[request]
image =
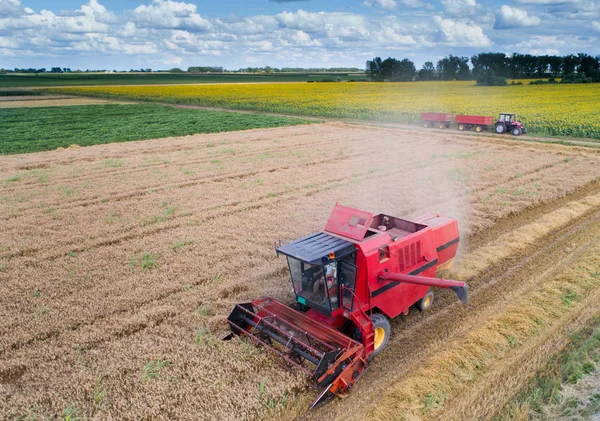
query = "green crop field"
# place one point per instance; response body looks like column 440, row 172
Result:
column 83, row 79
column 553, row 109
column 24, row 130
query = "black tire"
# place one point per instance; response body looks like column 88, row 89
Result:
column 426, row 302
column 426, row 124
column 381, row 322
column 442, row 126
column 516, row 131
column 461, row 127
column 478, row 129
column 500, row 128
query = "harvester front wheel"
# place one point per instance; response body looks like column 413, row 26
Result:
column 425, row 302
column 382, row 330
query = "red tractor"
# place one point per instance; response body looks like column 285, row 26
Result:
column 349, row 280
column 507, row 123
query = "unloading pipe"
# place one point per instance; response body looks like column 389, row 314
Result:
column 460, row 288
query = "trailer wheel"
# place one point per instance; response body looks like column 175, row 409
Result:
column 516, row 131
column 426, row 124
column 382, row 330
column 425, row 302
column 478, row 129
column 461, row 127
column 442, row 126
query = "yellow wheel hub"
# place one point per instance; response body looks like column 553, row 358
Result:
column 427, row 301
column 379, row 336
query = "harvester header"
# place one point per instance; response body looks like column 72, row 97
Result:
column 349, row 280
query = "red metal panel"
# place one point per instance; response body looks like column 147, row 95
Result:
column 446, row 118
column 349, row 222
column 475, row 119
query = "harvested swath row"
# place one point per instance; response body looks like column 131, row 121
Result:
column 104, row 320
column 510, row 330
column 288, row 188
column 72, row 198
column 22, row 325
column 167, row 211
column 554, row 240
column 150, row 160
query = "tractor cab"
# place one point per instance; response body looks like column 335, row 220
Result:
column 319, row 264
column 507, row 118
column 507, row 123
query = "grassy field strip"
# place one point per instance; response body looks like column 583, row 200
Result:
column 425, row 393
column 541, row 108
column 26, row 130
column 567, row 386
column 63, row 101
column 82, row 79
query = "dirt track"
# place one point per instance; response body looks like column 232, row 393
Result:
column 80, row 315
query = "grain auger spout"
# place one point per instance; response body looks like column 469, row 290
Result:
column 349, row 280
column 461, row 289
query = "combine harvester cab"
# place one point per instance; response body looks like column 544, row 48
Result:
column 349, row 280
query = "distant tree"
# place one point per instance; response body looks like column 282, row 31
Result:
column 453, row 68
column 56, row 70
column 569, row 64
column 427, row 72
column 398, row 70
column 374, row 71
column 205, row 69
column 587, row 64
column 390, row 70
column 541, row 65
column 497, row 63
column 555, row 63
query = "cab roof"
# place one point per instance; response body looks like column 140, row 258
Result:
column 315, row 248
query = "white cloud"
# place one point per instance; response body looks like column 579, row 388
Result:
column 395, row 4
column 461, row 34
column 547, row 2
column 460, row 7
column 384, row 4
column 168, row 14
column 169, row 32
column 10, row 8
column 512, row 17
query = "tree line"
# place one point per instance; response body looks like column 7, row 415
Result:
column 489, row 68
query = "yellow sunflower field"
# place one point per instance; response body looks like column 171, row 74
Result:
column 553, row 109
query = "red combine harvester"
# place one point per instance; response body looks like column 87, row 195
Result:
column 349, row 280
column 439, row 120
column 474, row 122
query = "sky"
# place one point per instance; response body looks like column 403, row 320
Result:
column 162, row 34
